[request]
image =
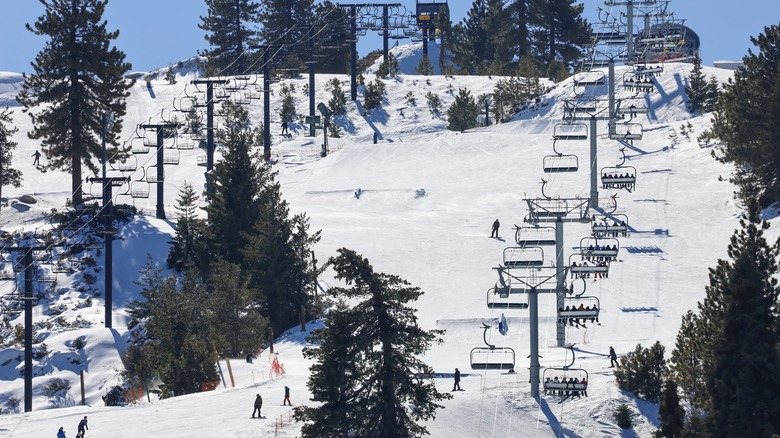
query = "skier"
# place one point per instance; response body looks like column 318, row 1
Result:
column 82, row 428
column 258, row 406
column 494, row 232
column 284, row 128
column 61, row 433
column 286, row 396
column 456, row 386
column 37, row 156
column 612, row 357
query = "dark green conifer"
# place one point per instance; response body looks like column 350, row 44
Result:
column 76, row 78
column 697, row 87
column 670, row 413
column 463, row 112
column 183, row 253
column 8, row 175
column 229, row 33
column 560, row 31
column 367, row 366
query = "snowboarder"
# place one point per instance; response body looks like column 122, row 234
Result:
column 494, row 232
column 82, row 429
column 61, row 433
column 258, row 406
column 456, row 386
column 36, row 161
column 612, row 357
column 286, row 396
column 284, row 128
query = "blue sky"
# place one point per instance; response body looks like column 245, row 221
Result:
column 156, row 33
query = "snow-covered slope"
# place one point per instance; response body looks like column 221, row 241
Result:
column 428, row 197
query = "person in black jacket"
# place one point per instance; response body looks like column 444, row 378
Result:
column 286, row 396
column 456, row 386
column 82, row 428
column 494, row 231
column 258, row 406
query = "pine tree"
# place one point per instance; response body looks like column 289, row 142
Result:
column 229, row 33
column 697, row 87
column 463, row 112
column 713, row 92
column 283, row 25
column 749, row 133
column 529, row 74
column 76, row 78
column 8, row 175
column 643, row 372
column 670, row 413
column 443, row 26
column 425, row 67
column 372, row 97
column 388, row 68
column 236, row 324
column 471, row 50
column 743, row 384
column 193, row 122
column 499, row 30
column 287, row 112
column 520, row 32
column 333, row 51
column 367, row 367
column 183, row 253
column 338, row 100
column 692, row 358
column 561, row 32
column 278, row 258
column 234, row 205
column 508, row 95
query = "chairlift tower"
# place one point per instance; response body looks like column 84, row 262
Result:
column 209, row 83
column 160, row 129
column 29, row 266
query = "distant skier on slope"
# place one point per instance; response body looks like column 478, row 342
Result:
column 456, row 386
column 258, row 406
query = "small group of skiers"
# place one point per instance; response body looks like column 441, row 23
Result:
column 573, row 387
column 259, row 402
column 82, row 429
column 579, row 273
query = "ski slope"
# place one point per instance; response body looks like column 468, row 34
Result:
column 428, row 199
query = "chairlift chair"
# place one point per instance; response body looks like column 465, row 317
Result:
column 534, row 236
column 626, row 131
column 592, row 248
column 202, row 160
column 185, row 144
column 598, row 269
column 171, row 156
column 570, row 131
column 580, row 308
column 613, row 225
column 519, row 257
column 138, row 145
column 491, row 357
column 560, row 163
column 594, row 77
column 139, row 189
column 151, row 175
column 618, row 177
column 557, row 381
column 129, row 165
column 501, row 298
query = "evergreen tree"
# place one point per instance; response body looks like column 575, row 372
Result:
column 175, row 345
column 750, row 133
column 283, row 25
column 743, row 384
column 713, row 92
column 332, row 34
column 670, row 413
column 472, row 43
column 193, row 122
column 463, row 112
column 8, row 175
column 425, row 67
column 508, row 95
column 287, row 112
column 697, row 87
column 76, row 78
column 388, row 68
column 236, row 324
column 443, row 25
column 692, row 358
column 375, row 92
column 151, row 280
column 278, row 258
column 499, row 30
column 338, row 100
column 560, row 31
column 229, row 34
column 183, row 252
column 367, row 366
column 234, row 204
column 643, row 372
column 520, row 31
column 530, row 78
